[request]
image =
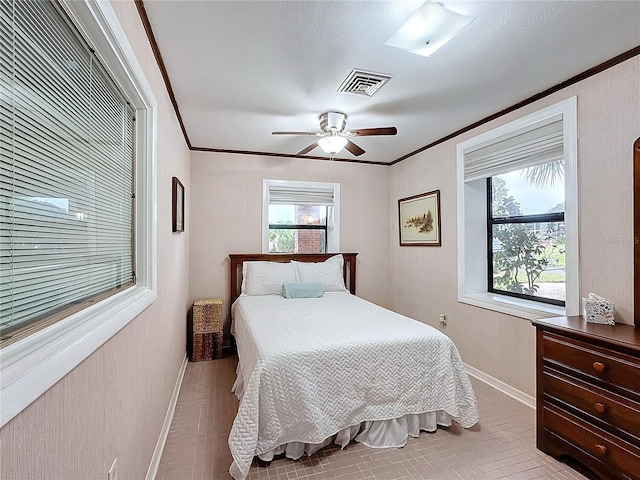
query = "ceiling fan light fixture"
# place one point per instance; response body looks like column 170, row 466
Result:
column 332, row 144
column 428, row 29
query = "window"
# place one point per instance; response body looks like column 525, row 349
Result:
column 66, row 179
column 517, row 190
column 77, row 190
column 300, row 217
column 297, row 228
column 526, row 234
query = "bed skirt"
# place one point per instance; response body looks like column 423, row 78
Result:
column 391, row 433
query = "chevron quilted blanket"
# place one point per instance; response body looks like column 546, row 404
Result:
column 311, row 367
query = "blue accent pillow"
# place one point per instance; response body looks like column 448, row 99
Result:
column 302, row 290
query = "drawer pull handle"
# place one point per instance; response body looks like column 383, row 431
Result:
column 599, row 366
column 601, row 450
column 600, row 407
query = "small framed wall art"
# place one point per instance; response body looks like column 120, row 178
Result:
column 177, row 200
column 419, row 220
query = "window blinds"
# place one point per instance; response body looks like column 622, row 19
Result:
column 538, row 144
column 66, row 176
column 284, row 195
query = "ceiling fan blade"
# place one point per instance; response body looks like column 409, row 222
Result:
column 307, row 149
column 353, row 148
column 294, row 133
column 362, row 132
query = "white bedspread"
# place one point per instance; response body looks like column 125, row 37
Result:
column 312, row 367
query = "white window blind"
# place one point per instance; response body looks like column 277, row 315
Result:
column 537, row 144
column 284, row 195
column 66, row 176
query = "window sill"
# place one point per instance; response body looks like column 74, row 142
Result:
column 512, row 306
column 30, row 367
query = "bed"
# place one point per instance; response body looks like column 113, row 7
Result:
column 327, row 366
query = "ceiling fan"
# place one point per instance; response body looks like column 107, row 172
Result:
column 334, row 137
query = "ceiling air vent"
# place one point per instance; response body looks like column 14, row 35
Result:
column 360, row 82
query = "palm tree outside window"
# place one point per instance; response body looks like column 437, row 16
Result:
column 526, row 233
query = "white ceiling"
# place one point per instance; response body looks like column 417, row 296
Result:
column 242, row 69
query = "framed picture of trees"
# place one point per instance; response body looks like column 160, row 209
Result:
column 419, row 220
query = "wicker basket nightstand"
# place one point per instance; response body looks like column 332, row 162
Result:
column 204, row 336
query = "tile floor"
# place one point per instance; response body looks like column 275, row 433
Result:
column 501, row 446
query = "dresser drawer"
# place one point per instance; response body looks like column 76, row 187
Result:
column 596, row 443
column 611, row 367
column 612, row 410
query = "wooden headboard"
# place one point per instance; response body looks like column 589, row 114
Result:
column 237, row 259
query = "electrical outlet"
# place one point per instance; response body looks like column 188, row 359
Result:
column 113, row 471
column 443, row 319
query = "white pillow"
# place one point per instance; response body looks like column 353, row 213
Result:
column 329, row 273
column 266, row 278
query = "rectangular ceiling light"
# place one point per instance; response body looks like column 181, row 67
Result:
column 428, row 29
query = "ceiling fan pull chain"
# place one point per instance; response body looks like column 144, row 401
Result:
column 331, row 171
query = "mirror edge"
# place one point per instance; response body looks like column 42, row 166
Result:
column 636, row 231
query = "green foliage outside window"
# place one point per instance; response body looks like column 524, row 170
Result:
column 282, row 240
column 523, row 257
column 524, row 252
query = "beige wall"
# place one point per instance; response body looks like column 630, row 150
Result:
column 226, row 216
column 113, row 404
column 424, row 280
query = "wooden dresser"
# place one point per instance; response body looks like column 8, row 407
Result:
column 588, row 394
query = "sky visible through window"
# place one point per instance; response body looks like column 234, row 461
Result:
column 533, row 200
column 62, row 203
column 281, row 213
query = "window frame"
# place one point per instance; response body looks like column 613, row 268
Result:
column 513, row 220
column 32, row 365
column 473, row 288
column 332, row 227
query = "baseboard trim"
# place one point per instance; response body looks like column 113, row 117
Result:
column 499, row 385
column 164, row 433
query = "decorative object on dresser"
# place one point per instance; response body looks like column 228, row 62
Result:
column 588, row 394
column 419, row 220
column 597, row 309
column 204, row 332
